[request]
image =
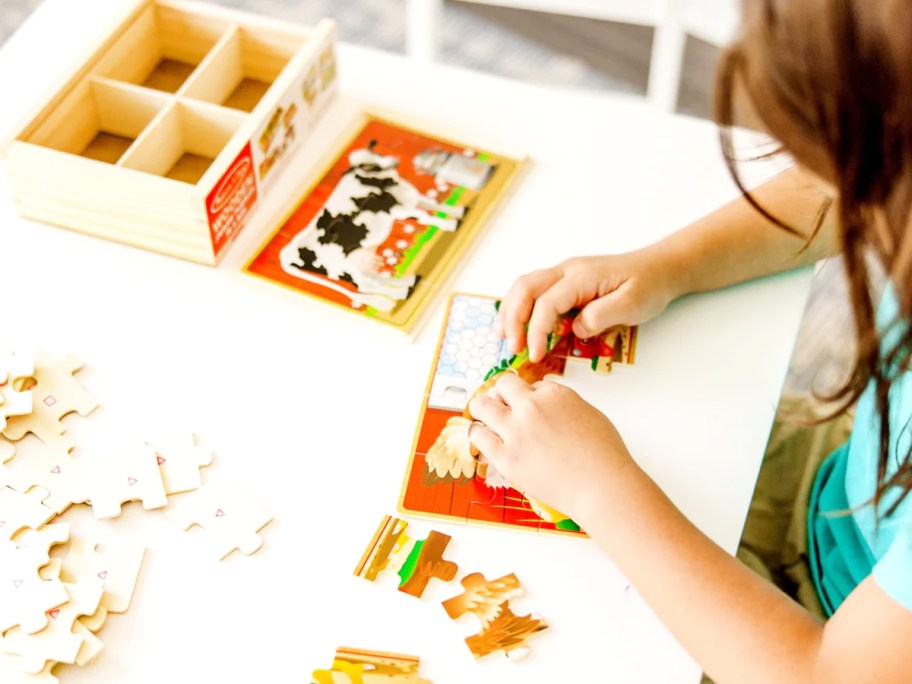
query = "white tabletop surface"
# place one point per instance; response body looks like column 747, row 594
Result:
column 313, row 410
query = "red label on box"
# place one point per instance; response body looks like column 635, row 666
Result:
column 231, row 201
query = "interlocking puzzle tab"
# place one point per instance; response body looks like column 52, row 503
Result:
column 501, row 629
column 22, row 510
column 415, row 561
column 228, row 514
column 49, row 467
column 359, row 666
column 25, row 598
column 64, row 640
column 55, row 394
column 180, row 458
column 15, row 398
column 117, row 568
column 11, row 671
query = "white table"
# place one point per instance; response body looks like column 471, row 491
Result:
column 313, row 410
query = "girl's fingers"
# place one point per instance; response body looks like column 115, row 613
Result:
column 490, row 411
column 511, row 388
column 600, row 314
column 556, row 301
column 517, row 306
column 486, row 441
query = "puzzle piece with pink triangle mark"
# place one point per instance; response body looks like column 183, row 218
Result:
column 116, row 567
column 229, row 515
column 116, row 475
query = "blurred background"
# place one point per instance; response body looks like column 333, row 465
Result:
column 662, row 50
column 576, row 45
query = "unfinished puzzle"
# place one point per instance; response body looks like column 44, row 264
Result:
column 393, row 214
column 444, row 478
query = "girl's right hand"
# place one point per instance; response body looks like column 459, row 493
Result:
column 610, row 290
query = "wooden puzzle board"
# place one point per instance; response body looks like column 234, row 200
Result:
column 467, row 350
column 395, row 212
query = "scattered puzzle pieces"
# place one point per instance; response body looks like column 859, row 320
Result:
column 50, row 608
column 56, row 393
column 227, row 513
column 117, row 569
column 117, row 476
column 358, row 666
column 501, row 629
column 63, row 640
column 415, row 561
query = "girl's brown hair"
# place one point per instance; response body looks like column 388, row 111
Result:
column 831, row 80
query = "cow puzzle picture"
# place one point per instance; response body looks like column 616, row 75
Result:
column 393, row 214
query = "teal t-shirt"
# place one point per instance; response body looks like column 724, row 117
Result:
column 845, row 549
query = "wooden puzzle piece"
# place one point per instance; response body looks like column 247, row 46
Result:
column 11, row 671
column 117, row 568
column 64, row 640
column 95, row 622
column 7, row 451
column 501, row 629
column 50, row 467
column 55, row 394
column 359, row 666
column 51, row 570
column 22, row 510
column 15, row 398
column 180, row 459
column 230, row 517
column 24, row 597
column 44, row 538
column 116, row 476
column 615, row 345
column 415, row 561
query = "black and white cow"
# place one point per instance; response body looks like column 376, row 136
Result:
column 341, row 241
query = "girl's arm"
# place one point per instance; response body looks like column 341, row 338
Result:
column 736, row 243
column 730, row 245
column 740, row 628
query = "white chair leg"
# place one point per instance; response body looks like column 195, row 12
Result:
column 422, row 28
column 667, row 57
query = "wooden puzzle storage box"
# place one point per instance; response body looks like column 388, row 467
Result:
column 172, row 130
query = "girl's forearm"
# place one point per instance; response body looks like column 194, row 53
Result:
column 739, row 627
column 736, row 243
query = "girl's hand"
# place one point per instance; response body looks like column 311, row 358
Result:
column 611, row 290
column 550, row 444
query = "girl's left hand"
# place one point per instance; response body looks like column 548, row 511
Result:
column 550, row 444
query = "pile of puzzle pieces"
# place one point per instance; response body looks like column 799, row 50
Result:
column 416, row 562
column 52, row 607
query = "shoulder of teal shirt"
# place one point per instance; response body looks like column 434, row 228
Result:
column 889, row 538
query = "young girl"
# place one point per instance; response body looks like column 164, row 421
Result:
column 831, row 80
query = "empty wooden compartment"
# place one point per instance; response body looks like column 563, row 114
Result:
column 242, row 67
column 99, row 120
column 162, row 47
